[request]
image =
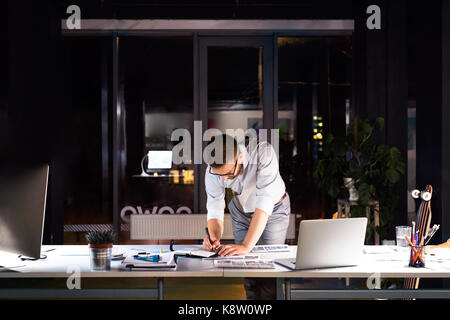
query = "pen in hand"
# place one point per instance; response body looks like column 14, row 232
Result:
column 209, row 238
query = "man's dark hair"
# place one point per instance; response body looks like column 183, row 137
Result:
column 226, row 158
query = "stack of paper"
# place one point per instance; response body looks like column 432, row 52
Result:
column 166, row 261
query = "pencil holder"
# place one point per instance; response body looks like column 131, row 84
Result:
column 416, row 257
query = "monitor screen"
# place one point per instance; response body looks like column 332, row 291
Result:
column 159, row 159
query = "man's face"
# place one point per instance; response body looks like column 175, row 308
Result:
column 229, row 170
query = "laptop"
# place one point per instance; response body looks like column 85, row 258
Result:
column 328, row 243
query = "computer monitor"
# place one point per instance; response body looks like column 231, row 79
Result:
column 23, row 194
column 159, row 160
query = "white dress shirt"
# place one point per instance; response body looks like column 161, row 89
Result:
column 258, row 185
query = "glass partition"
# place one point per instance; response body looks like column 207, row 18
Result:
column 314, row 92
column 156, row 84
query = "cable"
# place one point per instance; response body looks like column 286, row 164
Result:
column 23, row 258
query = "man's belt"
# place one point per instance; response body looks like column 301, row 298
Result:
column 282, row 198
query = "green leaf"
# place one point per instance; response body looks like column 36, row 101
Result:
column 392, row 175
column 364, row 193
column 366, row 129
column 379, row 122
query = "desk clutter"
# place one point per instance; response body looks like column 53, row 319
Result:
column 149, row 261
column 168, row 260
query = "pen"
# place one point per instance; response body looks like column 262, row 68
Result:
column 414, row 249
column 209, row 237
column 207, row 233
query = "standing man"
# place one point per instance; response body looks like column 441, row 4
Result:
column 259, row 209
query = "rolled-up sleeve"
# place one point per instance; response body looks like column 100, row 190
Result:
column 269, row 185
column 215, row 202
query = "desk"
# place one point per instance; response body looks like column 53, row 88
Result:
column 387, row 263
column 60, row 263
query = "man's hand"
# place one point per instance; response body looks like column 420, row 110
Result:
column 207, row 245
column 233, row 250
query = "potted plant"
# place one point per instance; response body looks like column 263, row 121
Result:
column 100, row 247
column 358, row 161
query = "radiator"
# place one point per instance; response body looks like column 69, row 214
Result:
column 182, row 227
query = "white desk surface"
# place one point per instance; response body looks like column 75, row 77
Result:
column 64, row 257
column 389, row 263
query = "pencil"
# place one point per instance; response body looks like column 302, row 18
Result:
column 414, row 249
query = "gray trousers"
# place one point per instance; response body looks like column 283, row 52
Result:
column 274, row 233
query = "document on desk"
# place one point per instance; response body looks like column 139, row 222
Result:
column 166, row 261
column 197, row 253
column 244, row 264
column 250, row 257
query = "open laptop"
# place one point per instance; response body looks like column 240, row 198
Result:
column 328, row 243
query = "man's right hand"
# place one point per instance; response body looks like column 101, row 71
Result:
column 207, row 245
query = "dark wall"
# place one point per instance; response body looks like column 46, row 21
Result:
column 35, row 113
column 3, row 83
column 217, row 9
column 432, row 68
column 380, row 80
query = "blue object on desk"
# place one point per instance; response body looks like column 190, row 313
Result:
column 154, row 258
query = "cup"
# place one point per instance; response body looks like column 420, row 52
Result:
column 400, row 233
column 417, row 257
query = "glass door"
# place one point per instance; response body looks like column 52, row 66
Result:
column 236, row 88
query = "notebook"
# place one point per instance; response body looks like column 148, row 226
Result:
column 166, row 261
column 201, row 253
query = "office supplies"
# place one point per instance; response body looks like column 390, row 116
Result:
column 244, row 264
column 163, row 261
column 413, row 247
column 209, row 238
column 207, row 233
column 23, row 194
column 154, row 258
column 431, row 234
column 328, row 243
column 270, row 248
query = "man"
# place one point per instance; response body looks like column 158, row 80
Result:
column 259, row 209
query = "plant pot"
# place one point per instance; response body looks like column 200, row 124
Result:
column 349, row 184
column 100, row 256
